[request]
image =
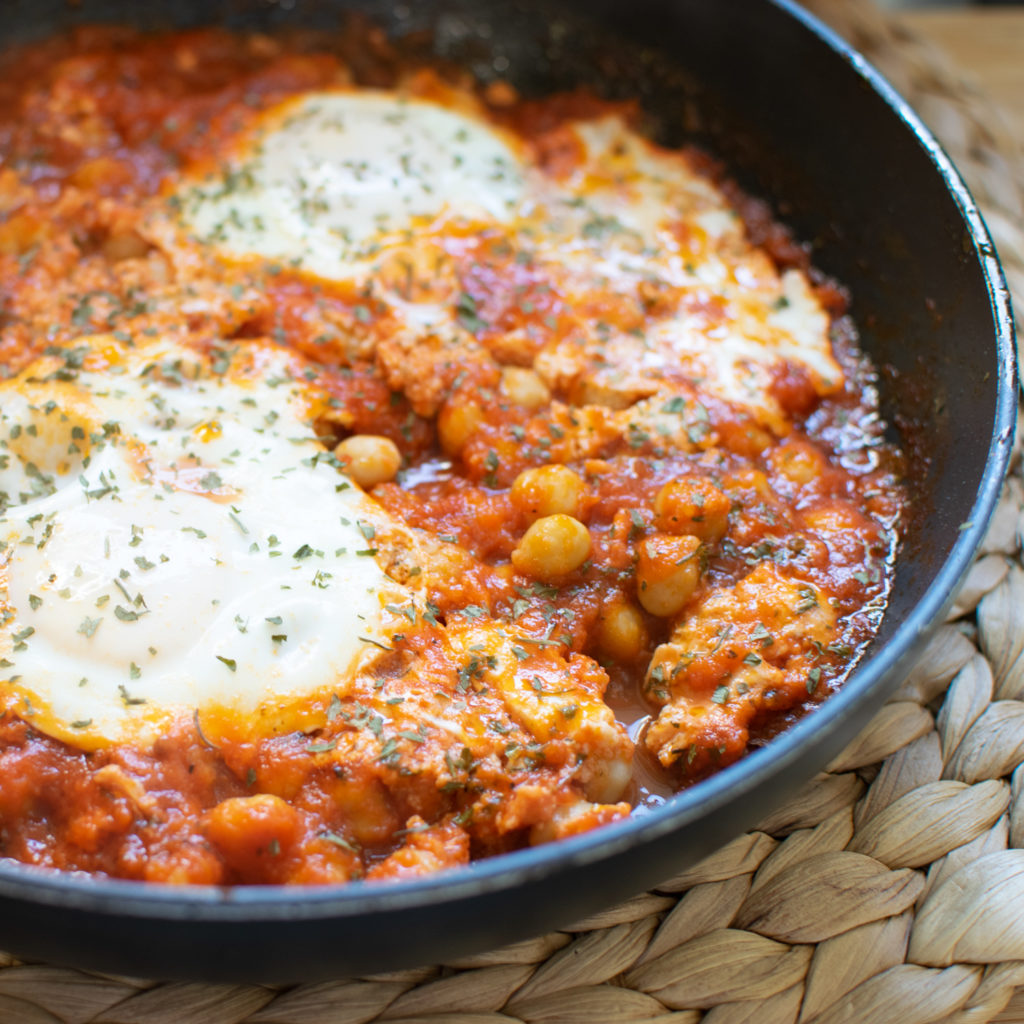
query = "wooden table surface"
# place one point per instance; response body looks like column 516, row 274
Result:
column 987, row 44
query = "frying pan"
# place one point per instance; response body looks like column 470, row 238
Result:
column 802, row 120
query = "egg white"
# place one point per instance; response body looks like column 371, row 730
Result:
column 176, row 540
column 330, row 178
column 330, row 182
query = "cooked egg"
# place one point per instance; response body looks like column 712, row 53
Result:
column 632, row 217
column 175, row 539
column 332, row 177
column 331, row 183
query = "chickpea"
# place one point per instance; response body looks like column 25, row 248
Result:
column 798, row 463
column 667, row 572
column 189, row 865
column 125, row 246
column 836, row 517
column 362, row 802
column 456, row 424
column 747, row 440
column 693, row 505
column 750, row 479
column 20, row 232
column 243, row 827
column 101, row 170
column 552, row 547
column 524, row 387
column 369, row 459
column 621, row 631
column 546, row 491
column 500, row 93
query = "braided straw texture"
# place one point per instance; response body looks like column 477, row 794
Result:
column 891, row 891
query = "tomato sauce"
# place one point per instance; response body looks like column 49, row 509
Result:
column 94, row 127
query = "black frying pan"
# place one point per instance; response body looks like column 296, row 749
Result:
column 802, row 120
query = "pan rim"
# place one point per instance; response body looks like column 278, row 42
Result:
column 249, row 904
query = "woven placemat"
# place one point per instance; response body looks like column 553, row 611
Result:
column 891, row 891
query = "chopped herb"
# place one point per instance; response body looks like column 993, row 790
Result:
column 21, row 636
column 333, row 837
column 491, row 463
column 127, row 698
column 322, row 747
column 389, row 751
column 467, row 315
column 637, row 524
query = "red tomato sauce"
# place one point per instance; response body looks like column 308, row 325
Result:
column 96, row 126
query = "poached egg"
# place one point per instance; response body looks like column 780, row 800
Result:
column 175, row 539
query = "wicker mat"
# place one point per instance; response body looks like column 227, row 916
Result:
column 890, row 890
